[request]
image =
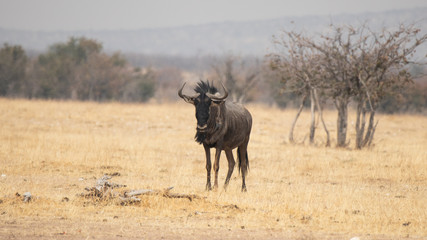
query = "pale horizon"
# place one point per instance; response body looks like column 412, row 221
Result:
column 79, row 15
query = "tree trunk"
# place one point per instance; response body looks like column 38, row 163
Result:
column 342, row 107
column 291, row 132
column 364, row 139
column 370, row 131
column 313, row 117
column 242, row 98
column 316, row 98
column 367, row 140
column 360, row 123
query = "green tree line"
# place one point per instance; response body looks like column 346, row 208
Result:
column 77, row 69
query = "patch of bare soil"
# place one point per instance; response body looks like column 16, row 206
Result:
column 148, row 228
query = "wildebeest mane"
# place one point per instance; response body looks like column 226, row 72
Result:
column 205, row 87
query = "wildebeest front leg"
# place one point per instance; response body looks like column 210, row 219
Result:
column 208, row 167
column 216, row 166
column 231, row 164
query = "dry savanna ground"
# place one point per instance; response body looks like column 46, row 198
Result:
column 55, row 149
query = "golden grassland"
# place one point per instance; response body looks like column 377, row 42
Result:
column 56, row 149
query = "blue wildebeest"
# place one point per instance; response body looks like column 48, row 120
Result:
column 222, row 125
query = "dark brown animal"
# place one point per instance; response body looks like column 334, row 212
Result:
column 222, row 125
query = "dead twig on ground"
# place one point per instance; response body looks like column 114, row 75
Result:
column 103, row 190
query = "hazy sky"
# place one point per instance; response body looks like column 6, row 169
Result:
column 137, row 14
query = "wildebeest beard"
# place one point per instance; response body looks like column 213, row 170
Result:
column 200, row 137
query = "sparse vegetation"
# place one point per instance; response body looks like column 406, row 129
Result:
column 347, row 64
column 55, row 149
column 240, row 77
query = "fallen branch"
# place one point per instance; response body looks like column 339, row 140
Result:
column 165, row 193
column 104, row 190
column 138, row 192
column 179, row 195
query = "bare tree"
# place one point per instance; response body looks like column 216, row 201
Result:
column 239, row 76
column 382, row 68
column 350, row 64
column 300, row 72
column 363, row 65
column 168, row 79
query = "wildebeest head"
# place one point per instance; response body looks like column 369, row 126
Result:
column 207, row 100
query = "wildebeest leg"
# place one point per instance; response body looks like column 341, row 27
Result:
column 243, row 162
column 231, row 163
column 208, row 167
column 216, row 166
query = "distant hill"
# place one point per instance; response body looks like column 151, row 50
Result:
column 246, row 38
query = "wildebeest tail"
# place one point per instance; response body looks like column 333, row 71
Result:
column 243, row 167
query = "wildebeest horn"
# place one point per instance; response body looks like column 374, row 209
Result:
column 218, row 98
column 185, row 97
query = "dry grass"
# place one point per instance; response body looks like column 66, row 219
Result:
column 294, row 191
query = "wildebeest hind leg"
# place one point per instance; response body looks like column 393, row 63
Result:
column 243, row 163
column 231, row 164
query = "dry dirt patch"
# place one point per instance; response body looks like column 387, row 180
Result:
column 56, row 149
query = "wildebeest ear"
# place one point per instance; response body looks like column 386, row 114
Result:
column 217, row 102
column 188, row 99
